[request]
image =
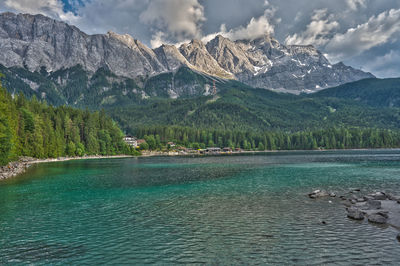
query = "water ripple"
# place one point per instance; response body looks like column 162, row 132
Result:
column 218, row 210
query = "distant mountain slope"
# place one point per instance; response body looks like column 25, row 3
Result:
column 373, row 92
column 240, row 108
column 154, row 101
column 77, row 87
column 38, row 43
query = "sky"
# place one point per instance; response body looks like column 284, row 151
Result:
column 362, row 33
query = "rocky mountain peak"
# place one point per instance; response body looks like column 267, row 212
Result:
column 169, row 56
column 229, row 55
column 197, row 55
column 125, row 38
column 36, row 41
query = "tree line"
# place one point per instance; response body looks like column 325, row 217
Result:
column 330, row 138
column 33, row 128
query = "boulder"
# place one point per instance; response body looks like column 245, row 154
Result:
column 368, row 198
column 347, row 203
column 398, row 237
column 361, row 205
column 355, row 213
column 377, row 218
column 394, row 198
column 379, row 196
column 374, row 204
column 332, row 195
column 318, row 194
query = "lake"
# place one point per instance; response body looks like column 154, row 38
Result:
column 246, row 209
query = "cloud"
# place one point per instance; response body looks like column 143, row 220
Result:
column 354, row 4
column 177, row 19
column 255, row 28
column 51, row 8
column 121, row 16
column 158, row 39
column 385, row 66
column 318, row 32
column 376, row 31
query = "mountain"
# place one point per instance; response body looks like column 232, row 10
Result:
column 373, row 92
column 239, row 108
column 138, row 103
column 78, row 87
column 38, row 43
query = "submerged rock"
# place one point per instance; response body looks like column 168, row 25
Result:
column 378, row 218
column 378, row 207
column 347, row 203
column 374, row 204
column 355, row 213
column 379, row 196
column 318, row 194
column 361, row 205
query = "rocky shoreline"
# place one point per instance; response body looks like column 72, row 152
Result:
column 377, row 207
column 16, row 168
column 13, row 169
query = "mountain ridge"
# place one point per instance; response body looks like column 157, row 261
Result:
column 35, row 42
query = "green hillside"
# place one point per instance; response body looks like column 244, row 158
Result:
column 33, row 128
column 373, row 92
column 147, row 101
column 237, row 108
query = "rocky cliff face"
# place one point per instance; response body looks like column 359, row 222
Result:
column 35, row 42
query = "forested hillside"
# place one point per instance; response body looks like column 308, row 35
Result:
column 241, row 108
column 33, row 128
column 373, row 92
column 329, row 138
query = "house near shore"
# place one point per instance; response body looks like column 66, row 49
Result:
column 130, row 140
column 227, row 149
column 140, row 141
column 213, row 150
column 171, row 144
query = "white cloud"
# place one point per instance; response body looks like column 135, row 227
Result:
column 376, row 31
column 256, row 28
column 354, row 4
column 177, row 19
column 51, row 8
column 385, row 66
column 318, row 32
column 158, row 39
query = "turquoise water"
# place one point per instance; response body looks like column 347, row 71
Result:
column 212, row 210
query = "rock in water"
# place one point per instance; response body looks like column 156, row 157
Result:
column 398, row 237
column 318, row 194
column 377, row 218
column 379, row 196
column 374, row 204
column 355, row 214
